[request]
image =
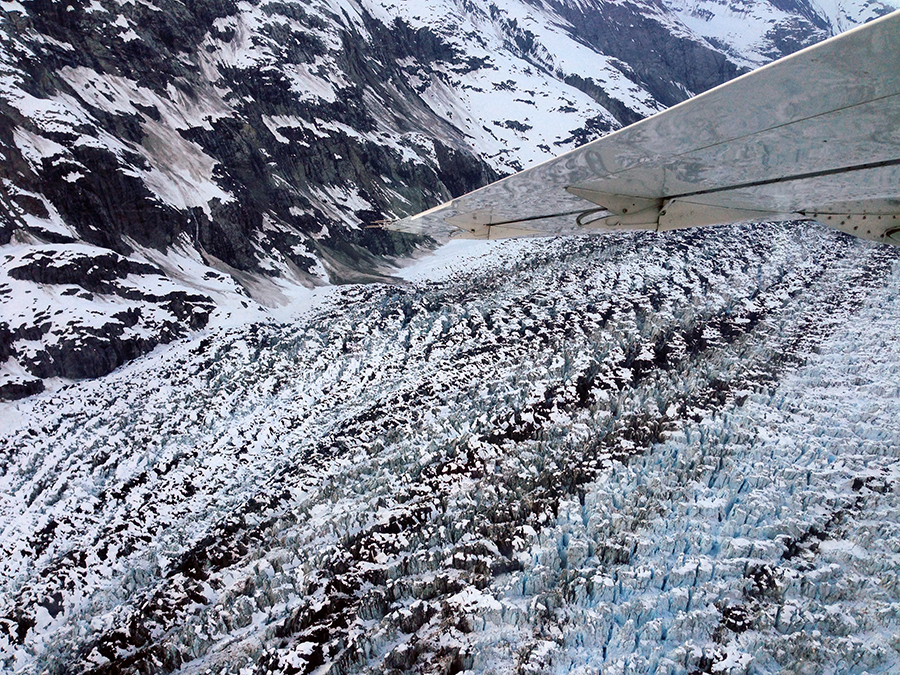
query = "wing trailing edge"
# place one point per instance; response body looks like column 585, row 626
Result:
column 814, row 136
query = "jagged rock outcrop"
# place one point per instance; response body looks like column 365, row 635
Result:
column 84, row 311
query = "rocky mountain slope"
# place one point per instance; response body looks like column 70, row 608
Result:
column 629, row 454
column 166, row 164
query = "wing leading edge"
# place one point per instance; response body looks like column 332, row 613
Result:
column 815, row 135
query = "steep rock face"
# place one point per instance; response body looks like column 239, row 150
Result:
column 259, row 139
column 83, row 311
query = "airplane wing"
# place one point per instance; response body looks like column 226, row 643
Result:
column 815, row 135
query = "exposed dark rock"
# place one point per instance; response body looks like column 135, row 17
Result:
column 10, row 391
column 91, row 272
column 657, row 59
column 89, row 355
column 88, row 346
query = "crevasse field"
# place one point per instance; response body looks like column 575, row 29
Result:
column 622, row 454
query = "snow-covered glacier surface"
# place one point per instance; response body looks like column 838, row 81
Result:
column 622, row 454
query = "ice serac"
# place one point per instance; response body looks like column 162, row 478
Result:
column 569, row 456
column 242, row 148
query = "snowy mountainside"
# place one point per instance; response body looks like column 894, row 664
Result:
column 753, row 33
column 622, row 454
column 239, row 148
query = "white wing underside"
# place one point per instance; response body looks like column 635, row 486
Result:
column 815, row 135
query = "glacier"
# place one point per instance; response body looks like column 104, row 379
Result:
column 622, row 454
